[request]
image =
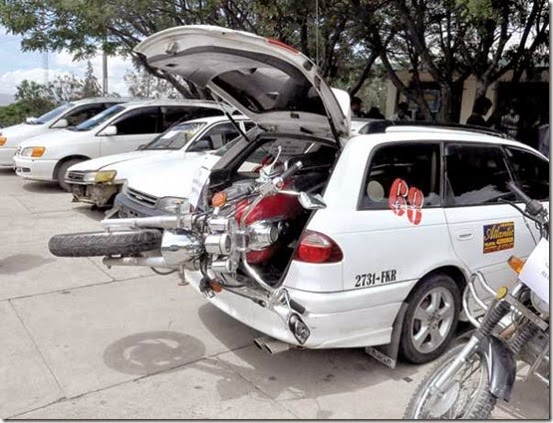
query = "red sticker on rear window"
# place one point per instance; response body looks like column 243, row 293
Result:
column 404, row 200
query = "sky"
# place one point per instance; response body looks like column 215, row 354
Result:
column 15, row 66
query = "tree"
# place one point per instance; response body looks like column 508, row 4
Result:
column 33, row 98
column 91, row 87
column 142, row 84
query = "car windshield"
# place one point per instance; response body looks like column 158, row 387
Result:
column 100, row 118
column 176, row 137
column 52, row 114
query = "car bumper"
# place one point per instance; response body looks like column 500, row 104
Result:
column 127, row 207
column 38, row 170
column 97, row 194
column 6, row 156
column 332, row 320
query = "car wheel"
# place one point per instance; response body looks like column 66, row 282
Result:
column 430, row 319
column 62, row 169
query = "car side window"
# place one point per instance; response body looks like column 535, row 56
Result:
column 141, row 121
column 173, row 114
column 476, row 174
column 400, row 167
column 531, row 172
column 83, row 113
column 220, row 135
column 249, row 125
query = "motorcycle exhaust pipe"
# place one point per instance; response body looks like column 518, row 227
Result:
column 141, row 222
column 137, row 261
column 270, row 345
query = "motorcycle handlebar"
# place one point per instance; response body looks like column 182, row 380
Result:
column 291, row 170
column 533, row 207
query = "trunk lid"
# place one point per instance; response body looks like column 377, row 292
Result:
column 276, row 86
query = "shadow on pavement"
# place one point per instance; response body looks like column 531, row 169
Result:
column 91, row 212
column 147, row 353
column 43, row 187
column 21, row 262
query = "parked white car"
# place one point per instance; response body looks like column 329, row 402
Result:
column 68, row 114
column 97, row 181
column 333, row 241
column 119, row 129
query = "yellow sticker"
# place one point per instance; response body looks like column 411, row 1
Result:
column 499, row 237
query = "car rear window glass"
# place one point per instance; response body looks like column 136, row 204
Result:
column 397, row 169
column 531, row 172
column 475, row 175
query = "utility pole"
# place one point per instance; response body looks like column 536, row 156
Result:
column 45, row 67
column 105, row 72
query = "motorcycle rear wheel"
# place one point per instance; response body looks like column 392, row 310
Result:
column 478, row 402
column 94, row 244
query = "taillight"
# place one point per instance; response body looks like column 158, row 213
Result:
column 318, row 248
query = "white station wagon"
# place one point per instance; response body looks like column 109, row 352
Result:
column 68, row 114
column 334, row 240
column 119, row 129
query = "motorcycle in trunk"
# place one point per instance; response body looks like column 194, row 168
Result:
column 467, row 381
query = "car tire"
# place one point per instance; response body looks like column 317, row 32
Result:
column 62, row 169
column 431, row 319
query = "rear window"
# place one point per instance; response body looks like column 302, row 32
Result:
column 531, row 172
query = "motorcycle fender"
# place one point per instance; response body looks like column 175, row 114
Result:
column 502, row 366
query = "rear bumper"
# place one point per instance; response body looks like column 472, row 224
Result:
column 330, row 317
column 129, row 208
column 6, row 156
column 97, row 194
column 38, row 170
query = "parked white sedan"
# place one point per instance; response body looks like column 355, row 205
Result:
column 98, row 181
column 68, row 114
column 119, row 129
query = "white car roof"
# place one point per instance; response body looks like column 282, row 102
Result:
column 90, row 100
column 428, row 133
column 215, row 119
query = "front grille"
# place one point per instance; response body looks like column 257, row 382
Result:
column 141, row 197
column 75, row 176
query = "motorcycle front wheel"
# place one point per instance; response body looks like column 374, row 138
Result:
column 467, row 397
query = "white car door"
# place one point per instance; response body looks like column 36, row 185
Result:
column 134, row 128
column 484, row 232
column 398, row 232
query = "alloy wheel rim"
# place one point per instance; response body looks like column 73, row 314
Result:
column 432, row 320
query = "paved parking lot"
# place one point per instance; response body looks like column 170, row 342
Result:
column 82, row 341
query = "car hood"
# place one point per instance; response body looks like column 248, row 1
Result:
column 170, row 178
column 116, row 161
column 17, row 133
column 278, row 87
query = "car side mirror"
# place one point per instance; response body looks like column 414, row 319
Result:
column 61, row 123
column 204, row 144
column 30, row 120
column 311, row 202
column 109, row 131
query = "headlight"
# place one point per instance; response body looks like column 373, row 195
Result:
column 104, row 176
column 3, row 141
column 33, row 151
column 170, row 204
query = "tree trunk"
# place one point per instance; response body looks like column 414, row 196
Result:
column 444, row 114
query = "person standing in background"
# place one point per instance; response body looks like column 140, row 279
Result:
column 402, row 114
column 510, row 122
column 356, row 107
column 482, row 106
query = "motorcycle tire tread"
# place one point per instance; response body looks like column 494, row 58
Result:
column 95, row 244
column 482, row 407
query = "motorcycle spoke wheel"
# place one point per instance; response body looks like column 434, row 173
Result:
column 466, row 396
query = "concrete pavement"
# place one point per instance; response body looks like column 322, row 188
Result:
column 80, row 341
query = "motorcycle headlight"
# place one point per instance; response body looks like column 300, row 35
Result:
column 105, row 176
column 33, row 151
column 171, row 204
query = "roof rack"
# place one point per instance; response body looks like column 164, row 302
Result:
column 454, row 126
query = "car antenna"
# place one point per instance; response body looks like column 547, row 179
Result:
column 229, row 116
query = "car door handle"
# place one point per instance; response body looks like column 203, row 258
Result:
column 465, row 236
